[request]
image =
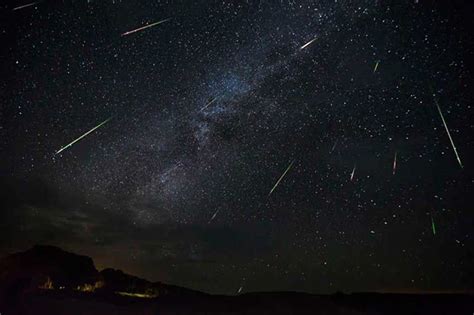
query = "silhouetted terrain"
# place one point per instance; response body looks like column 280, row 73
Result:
column 48, row 280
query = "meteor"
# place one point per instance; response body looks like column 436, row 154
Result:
column 70, row 144
column 376, row 66
column 433, row 227
column 394, row 164
column 353, row 172
column 447, row 131
column 281, row 177
column 333, row 147
column 145, row 27
column 240, row 290
column 213, row 216
column 24, row 6
column 308, row 43
column 209, row 103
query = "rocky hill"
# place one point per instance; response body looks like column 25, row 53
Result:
column 47, row 267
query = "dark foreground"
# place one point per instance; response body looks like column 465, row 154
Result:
column 54, row 302
column 47, row 280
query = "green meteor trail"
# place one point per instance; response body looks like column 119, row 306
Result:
column 433, row 227
column 70, row 144
column 281, row 177
column 376, row 66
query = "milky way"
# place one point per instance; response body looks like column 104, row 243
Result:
column 208, row 110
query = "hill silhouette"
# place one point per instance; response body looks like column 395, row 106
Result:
column 49, row 280
column 47, row 267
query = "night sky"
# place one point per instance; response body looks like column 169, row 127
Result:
column 208, row 109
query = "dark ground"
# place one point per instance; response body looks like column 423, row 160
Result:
column 51, row 302
column 22, row 274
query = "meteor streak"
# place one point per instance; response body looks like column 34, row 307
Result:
column 308, row 43
column 209, row 103
column 353, row 172
column 376, row 66
column 70, row 144
column 394, row 169
column 240, row 290
column 433, row 227
column 24, row 6
column 213, row 216
column 281, row 177
column 333, row 147
column 447, row 131
column 145, row 27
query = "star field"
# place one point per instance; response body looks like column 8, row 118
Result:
column 209, row 108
